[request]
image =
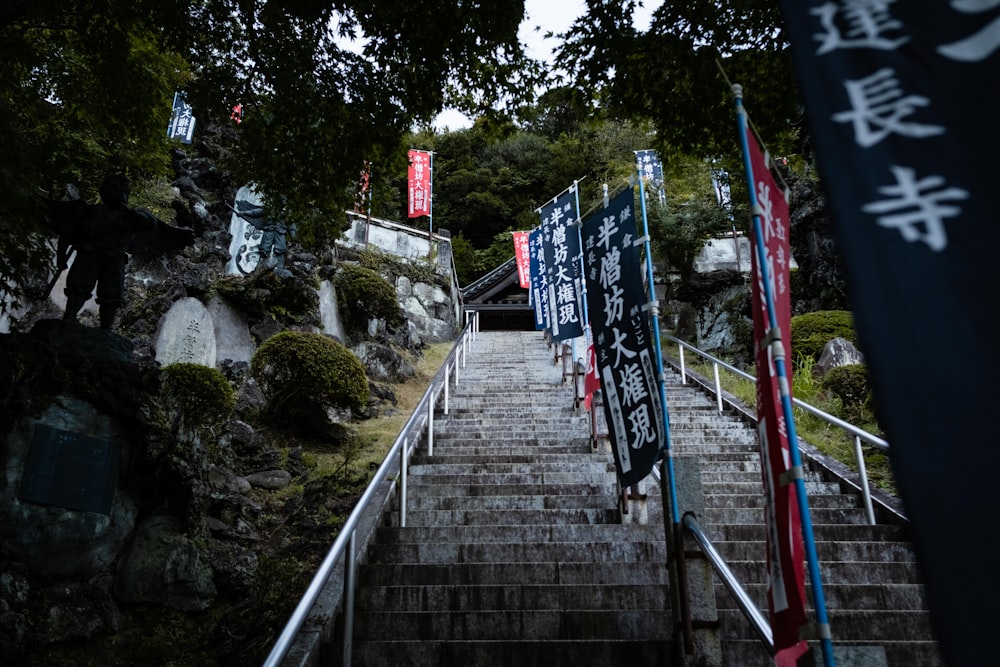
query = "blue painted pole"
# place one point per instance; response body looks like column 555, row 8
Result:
column 654, row 313
column 809, row 541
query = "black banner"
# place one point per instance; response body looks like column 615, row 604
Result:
column 626, row 362
column 900, row 98
column 562, row 261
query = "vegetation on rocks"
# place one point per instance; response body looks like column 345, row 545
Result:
column 303, row 375
column 201, row 394
column 362, row 295
column 812, row 331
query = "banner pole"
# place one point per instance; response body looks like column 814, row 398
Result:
column 430, row 211
column 654, row 314
column 809, row 542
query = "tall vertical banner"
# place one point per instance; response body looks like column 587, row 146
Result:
column 539, row 279
column 182, row 120
column 650, row 168
column 418, row 179
column 562, row 260
column 901, row 100
column 623, row 348
column 785, row 553
column 522, row 257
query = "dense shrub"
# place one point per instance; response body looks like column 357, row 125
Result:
column 851, row 385
column 303, row 374
column 202, row 394
column 363, row 295
column 812, row 331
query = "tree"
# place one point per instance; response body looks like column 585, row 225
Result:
column 670, row 74
column 316, row 107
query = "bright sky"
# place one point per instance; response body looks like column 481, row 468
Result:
column 552, row 16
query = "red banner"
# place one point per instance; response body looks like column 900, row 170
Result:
column 418, row 178
column 785, row 553
column 523, row 257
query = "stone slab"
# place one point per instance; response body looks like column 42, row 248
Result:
column 186, row 335
column 232, row 334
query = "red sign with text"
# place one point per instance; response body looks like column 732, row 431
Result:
column 419, row 183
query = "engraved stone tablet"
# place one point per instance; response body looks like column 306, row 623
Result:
column 70, row 470
column 187, row 335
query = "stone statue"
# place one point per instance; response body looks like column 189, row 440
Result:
column 100, row 236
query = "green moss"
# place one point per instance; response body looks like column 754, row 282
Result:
column 363, row 295
column 812, row 331
column 386, row 264
column 201, row 393
column 852, row 386
column 302, row 374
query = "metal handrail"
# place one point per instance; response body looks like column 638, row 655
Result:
column 732, row 584
column 858, row 433
column 344, row 544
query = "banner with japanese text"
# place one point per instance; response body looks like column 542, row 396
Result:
column 182, row 120
column 522, row 257
column 649, row 165
column 539, row 295
column 562, row 261
column 901, row 103
column 418, row 179
column 785, row 551
column 626, row 361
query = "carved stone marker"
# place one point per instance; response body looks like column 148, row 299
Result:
column 70, row 470
column 187, row 335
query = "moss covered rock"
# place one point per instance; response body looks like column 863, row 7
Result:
column 812, row 331
column 851, row 385
column 202, row 394
column 362, row 295
column 304, row 375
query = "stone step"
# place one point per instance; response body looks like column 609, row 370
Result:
column 521, row 624
column 847, row 624
column 858, row 550
column 720, row 533
column 555, row 439
column 604, row 488
column 913, row 653
column 492, row 467
column 514, row 573
column 520, row 534
column 513, row 652
column 830, row 500
column 499, row 597
column 454, row 455
column 621, row 554
column 514, row 478
column 589, row 516
column 842, row 596
column 846, row 572
column 504, row 503
column 712, row 515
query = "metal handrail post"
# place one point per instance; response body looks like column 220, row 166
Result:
column 866, row 493
column 447, row 378
column 718, row 387
column 350, row 569
column 402, row 485
column 430, row 425
column 680, row 353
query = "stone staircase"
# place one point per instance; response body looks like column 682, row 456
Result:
column 516, row 552
column 870, row 580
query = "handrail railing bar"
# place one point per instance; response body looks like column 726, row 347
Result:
column 346, row 534
column 863, row 474
column 732, row 584
column 871, row 439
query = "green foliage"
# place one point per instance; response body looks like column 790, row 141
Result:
column 362, row 295
column 391, row 265
column 689, row 216
column 202, row 394
column 852, row 386
column 302, row 374
column 670, row 73
column 812, row 331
